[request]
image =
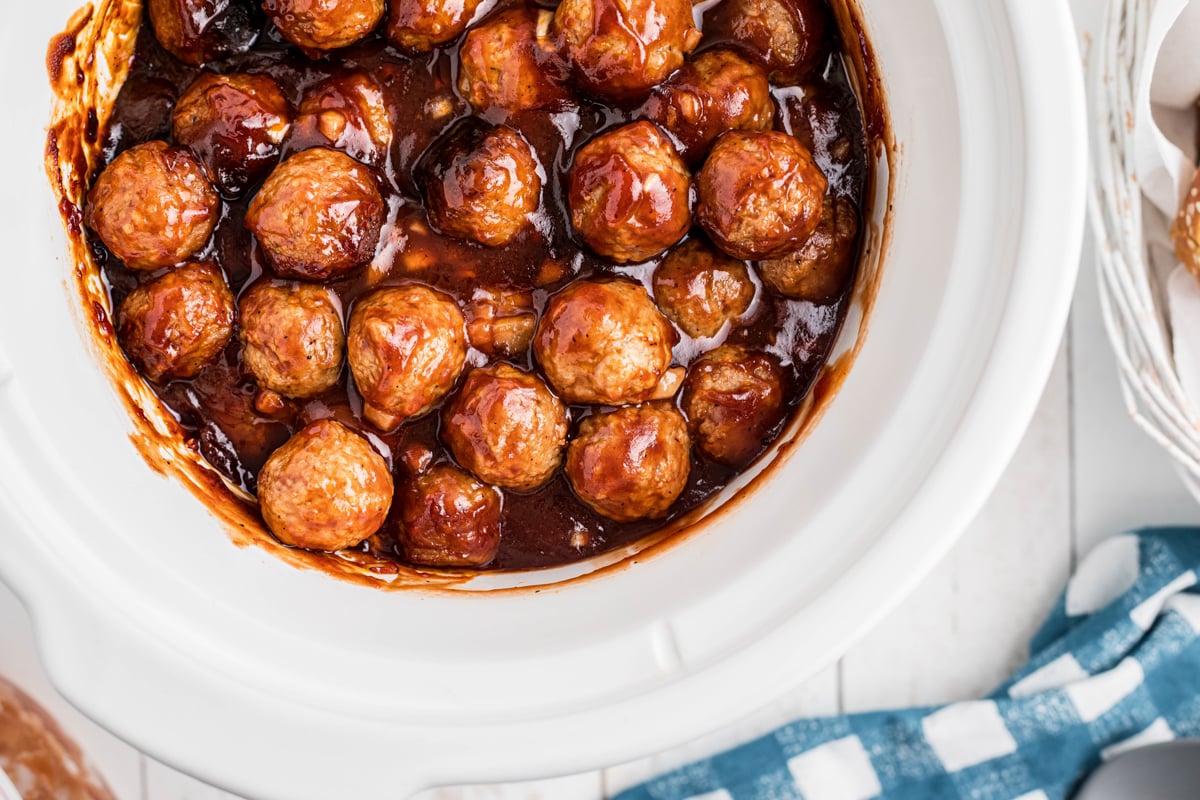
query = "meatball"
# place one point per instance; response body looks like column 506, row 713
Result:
column 407, row 347
column 507, row 427
column 632, row 463
column 786, row 36
column 482, row 184
column 821, row 270
column 152, row 206
column 449, row 519
column 175, row 324
column 760, row 194
column 418, row 26
column 292, row 337
column 630, row 193
column 508, row 64
column 717, row 92
column 620, row 49
column 347, row 112
column 701, row 289
column 318, row 25
column 326, row 489
column 317, row 216
column 234, row 124
column 603, row 342
column 734, row 400
column 198, row 31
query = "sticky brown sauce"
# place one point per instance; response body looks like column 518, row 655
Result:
column 551, row 526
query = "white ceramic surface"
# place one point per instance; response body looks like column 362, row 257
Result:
column 256, row 676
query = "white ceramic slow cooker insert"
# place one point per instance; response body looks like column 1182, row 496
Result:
column 285, row 684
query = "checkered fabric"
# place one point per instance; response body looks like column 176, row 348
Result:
column 1115, row 667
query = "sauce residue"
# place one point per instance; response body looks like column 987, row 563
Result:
column 206, row 432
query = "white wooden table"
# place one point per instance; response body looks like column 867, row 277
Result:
column 1083, row 472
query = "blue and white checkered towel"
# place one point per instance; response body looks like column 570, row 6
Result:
column 1115, row 667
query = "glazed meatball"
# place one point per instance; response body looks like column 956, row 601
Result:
column 760, row 194
column 734, row 400
column 821, row 270
column 175, row 324
column 482, row 184
column 418, row 26
column 292, row 337
column 620, row 49
column 326, row 489
column 507, row 427
column 632, row 463
column 347, row 112
column 234, row 124
column 449, row 519
column 717, row 92
column 319, row 25
column 407, row 347
column 198, row 31
column 786, row 36
column 509, row 64
column 630, row 193
column 317, row 216
column 603, row 342
column 701, row 289
column 152, row 206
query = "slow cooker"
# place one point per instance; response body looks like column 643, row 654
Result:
column 277, row 682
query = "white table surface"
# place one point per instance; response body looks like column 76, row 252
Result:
column 1083, row 472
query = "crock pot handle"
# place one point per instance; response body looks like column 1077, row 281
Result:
column 271, row 750
column 20, row 567
column 17, row 565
